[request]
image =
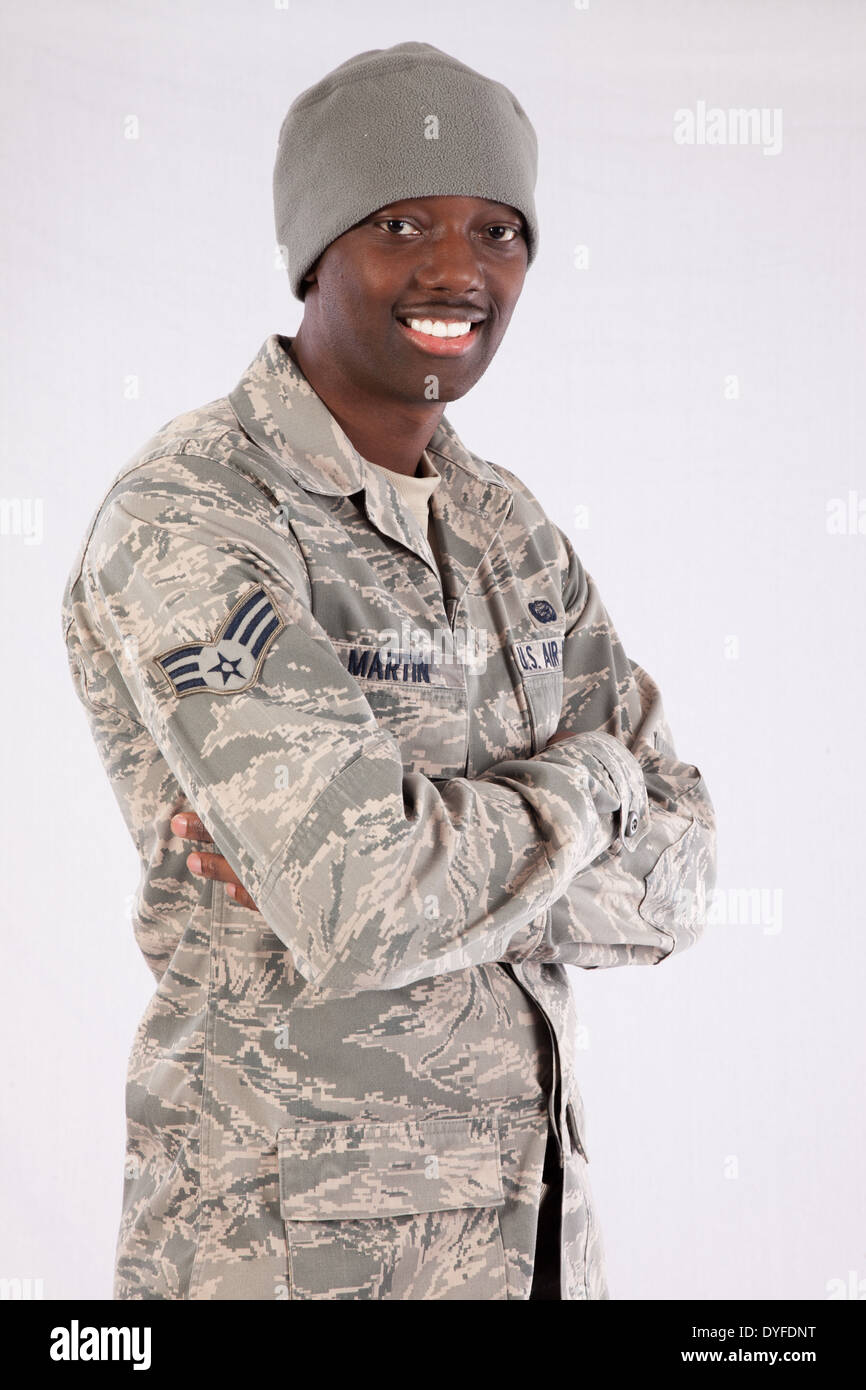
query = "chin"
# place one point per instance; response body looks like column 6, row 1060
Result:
column 455, row 393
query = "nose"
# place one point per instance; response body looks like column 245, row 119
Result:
column 449, row 262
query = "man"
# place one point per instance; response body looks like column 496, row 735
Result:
column 421, row 773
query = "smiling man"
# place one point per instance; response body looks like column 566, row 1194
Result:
column 358, row 672
column 417, row 295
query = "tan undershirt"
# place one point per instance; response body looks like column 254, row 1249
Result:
column 415, row 492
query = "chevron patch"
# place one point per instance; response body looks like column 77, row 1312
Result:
column 230, row 661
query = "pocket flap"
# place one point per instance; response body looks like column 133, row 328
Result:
column 332, row 1172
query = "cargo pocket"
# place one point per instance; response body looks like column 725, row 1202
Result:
column 407, row 1210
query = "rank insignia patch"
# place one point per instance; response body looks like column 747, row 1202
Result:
column 231, row 660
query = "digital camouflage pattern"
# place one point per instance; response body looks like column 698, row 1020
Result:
column 347, row 1094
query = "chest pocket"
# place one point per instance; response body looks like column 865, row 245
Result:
column 537, row 663
column 422, row 702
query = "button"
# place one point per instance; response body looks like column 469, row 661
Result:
column 631, row 828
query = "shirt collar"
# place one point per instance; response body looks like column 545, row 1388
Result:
column 280, row 411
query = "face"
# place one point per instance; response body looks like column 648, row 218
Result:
column 421, row 288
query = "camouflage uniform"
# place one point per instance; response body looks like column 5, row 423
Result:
column 347, row 1095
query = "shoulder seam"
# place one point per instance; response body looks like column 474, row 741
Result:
column 86, row 572
column 153, row 457
column 160, row 454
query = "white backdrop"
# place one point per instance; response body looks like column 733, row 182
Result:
column 681, row 385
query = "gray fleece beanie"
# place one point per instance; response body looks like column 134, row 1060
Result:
column 394, row 123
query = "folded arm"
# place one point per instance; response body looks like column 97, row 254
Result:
column 370, row 877
column 646, row 896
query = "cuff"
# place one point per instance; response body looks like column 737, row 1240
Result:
column 627, row 776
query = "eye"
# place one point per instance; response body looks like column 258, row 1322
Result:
column 503, row 227
column 390, row 222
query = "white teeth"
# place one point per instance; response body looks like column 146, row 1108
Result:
column 439, row 328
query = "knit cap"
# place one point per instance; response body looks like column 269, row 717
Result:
column 394, row 123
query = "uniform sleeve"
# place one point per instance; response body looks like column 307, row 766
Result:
column 646, row 896
column 371, row 878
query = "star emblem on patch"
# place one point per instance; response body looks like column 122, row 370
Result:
column 231, row 660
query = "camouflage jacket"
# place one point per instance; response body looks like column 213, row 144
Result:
column 347, row 1093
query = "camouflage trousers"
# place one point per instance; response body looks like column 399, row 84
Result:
column 533, row 1233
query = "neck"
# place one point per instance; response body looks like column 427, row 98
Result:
column 391, row 433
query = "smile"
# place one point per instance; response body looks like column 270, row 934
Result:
column 441, row 337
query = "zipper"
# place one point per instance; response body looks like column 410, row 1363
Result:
column 553, row 1098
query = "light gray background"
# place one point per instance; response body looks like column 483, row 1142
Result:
column 724, row 1090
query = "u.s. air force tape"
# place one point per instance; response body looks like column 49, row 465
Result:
column 230, row 661
column 538, row 657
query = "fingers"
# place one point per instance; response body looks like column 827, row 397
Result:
column 241, row 896
column 214, row 866
column 187, row 826
column 210, row 866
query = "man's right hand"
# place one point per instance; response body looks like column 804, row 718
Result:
column 187, row 826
